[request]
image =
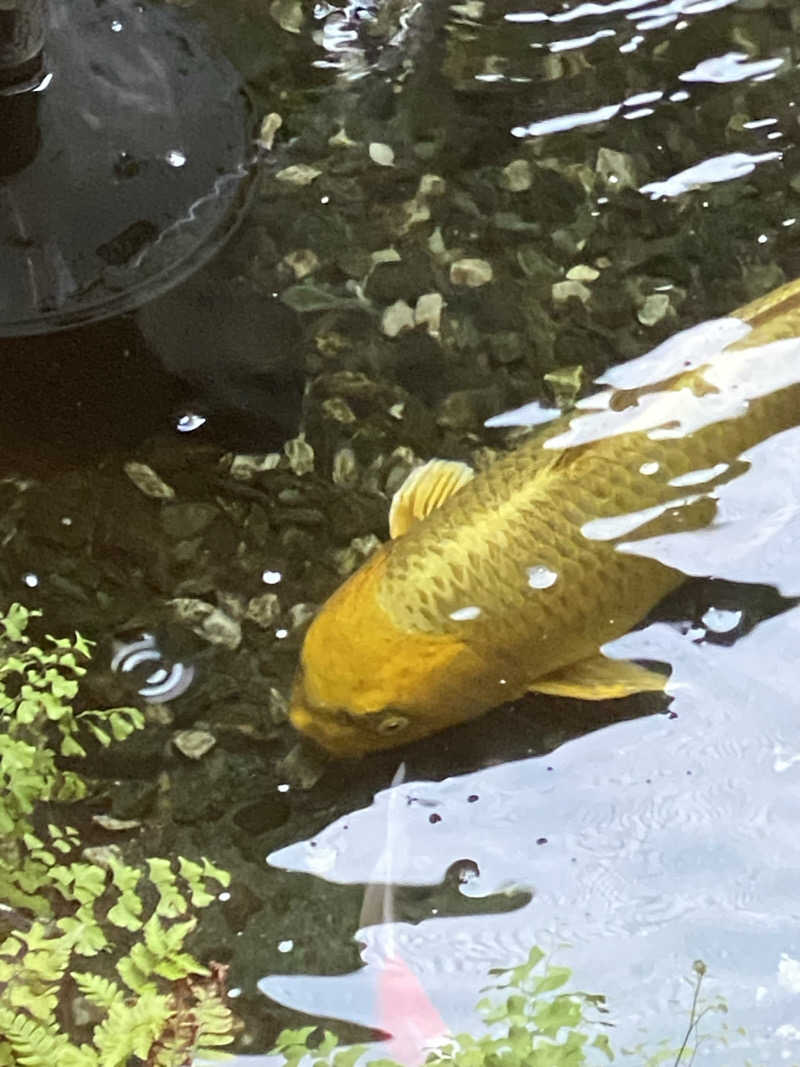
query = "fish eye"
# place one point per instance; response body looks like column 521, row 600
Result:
column 392, row 724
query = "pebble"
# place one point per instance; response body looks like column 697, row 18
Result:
column 208, row 622
column 300, row 455
column 428, row 312
column 436, row 245
column 582, row 273
column 270, row 125
column 415, row 211
column 108, row 822
column 656, row 307
column 385, row 255
column 382, row 154
column 617, row 169
column 263, row 610
column 431, row 185
column 244, row 467
column 102, row 855
column 517, row 176
column 298, row 174
column 345, row 468
column 471, row 272
column 301, row 262
column 564, row 291
column 148, row 482
column 397, row 318
column 339, row 410
column 193, row 743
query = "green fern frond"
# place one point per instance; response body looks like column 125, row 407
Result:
column 132, row 1029
column 101, row 992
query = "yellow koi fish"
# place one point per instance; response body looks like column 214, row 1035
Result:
column 511, row 580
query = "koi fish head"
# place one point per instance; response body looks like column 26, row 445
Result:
column 363, row 685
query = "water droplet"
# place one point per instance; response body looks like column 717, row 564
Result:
column 285, row 946
column 66, row 521
column 284, row 787
column 175, row 157
column 116, row 26
column 190, row 421
column 224, row 896
column 465, row 614
column 648, row 468
column 720, row 621
column 280, row 634
column 31, row 580
column 236, row 991
column 541, row 577
column 271, row 577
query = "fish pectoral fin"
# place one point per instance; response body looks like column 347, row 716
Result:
column 424, row 490
column 599, row 678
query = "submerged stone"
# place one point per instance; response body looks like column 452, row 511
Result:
column 193, row 743
column 300, row 455
column 207, row 621
column 471, row 272
column 148, row 482
column 396, row 318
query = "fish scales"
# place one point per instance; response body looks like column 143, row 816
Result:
column 514, row 580
column 504, row 522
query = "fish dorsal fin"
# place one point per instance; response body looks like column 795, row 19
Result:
column 424, row 490
column 599, row 678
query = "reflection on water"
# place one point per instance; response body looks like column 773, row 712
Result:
column 660, row 839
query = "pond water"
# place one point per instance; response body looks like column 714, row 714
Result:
column 207, row 471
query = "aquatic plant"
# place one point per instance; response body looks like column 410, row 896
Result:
column 531, row 1020
column 89, row 944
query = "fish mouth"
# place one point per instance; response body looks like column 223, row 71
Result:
column 318, row 724
column 339, row 741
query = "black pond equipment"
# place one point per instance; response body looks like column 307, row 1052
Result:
column 126, row 156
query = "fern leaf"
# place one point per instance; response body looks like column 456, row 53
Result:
column 34, row 1044
column 101, row 992
column 132, row 1029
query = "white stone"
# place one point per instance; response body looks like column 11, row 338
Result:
column 396, row 318
column 244, row 467
column 382, row 154
column 582, row 272
column 207, row 621
column 300, row 455
column 471, row 272
column 563, row 291
column 148, row 482
column 298, row 174
column 193, row 743
column 345, row 468
column 431, row 185
column 654, row 309
column 517, row 175
column 270, row 125
column 302, row 262
column 428, row 312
